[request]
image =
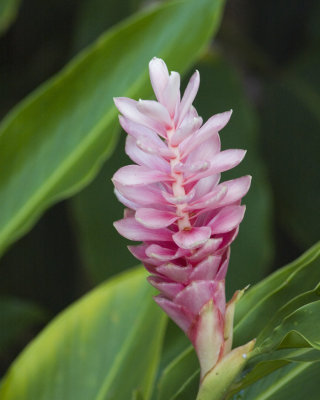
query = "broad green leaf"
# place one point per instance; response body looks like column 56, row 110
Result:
column 177, row 375
column 103, row 251
column 221, row 90
column 17, row 317
column 291, row 123
column 271, row 363
column 55, row 141
column 287, row 309
column 282, row 292
column 105, row 346
column 95, row 16
column 175, row 342
column 304, row 323
column 8, row 13
column 262, row 301
column 296, row 381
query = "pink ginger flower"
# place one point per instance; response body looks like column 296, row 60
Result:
column 176, row 206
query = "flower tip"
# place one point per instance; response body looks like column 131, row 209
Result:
column 196, row 75
column 116, row 224
column 157, row 62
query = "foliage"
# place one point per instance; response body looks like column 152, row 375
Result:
column 62, row 141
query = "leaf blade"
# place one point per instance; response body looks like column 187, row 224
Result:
column 55, row 141
column 85, row 353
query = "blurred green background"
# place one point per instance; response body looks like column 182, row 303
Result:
column 263, row 64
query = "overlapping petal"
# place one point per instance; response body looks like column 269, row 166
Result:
column 185, row 219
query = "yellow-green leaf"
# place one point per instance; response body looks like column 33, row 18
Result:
column 106, row 346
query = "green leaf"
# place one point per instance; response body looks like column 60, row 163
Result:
column 269, row 363
column 8, row 13
column 287, row 309
column 303, row 323
column 95, row 16
column 222, row 90
column 105, row 346
column 262, row 301
column 265, row 305
column 55, row 141
column 295, row 381
column 287, row 316
column 103, row 251
column 177, row 374
column 16, row 318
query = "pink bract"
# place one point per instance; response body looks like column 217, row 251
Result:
column 178, row 208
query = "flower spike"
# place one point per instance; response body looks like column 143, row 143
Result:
column 185, row 218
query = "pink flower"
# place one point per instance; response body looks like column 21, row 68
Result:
column 176, row 206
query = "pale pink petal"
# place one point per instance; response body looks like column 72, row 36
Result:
column 168, row 289
column 206, row 269
column 159, row 76
column 138, row 251
column 146, row 145
column 160, row 253
column 228, row 237
column 216, row 123
column 193, row 238
column 231, row 192
column 208, row 248
column 236, row 190
column 179, row 314
column 208, row 150
column 175, row 272
column 208, row 130
column 164, row 253
column 128, row 108
column 155, row 219
column 188, row 97
column 149, row 263
column 142, row 158
column 214, row 198
column 196, row 295
column 142, row 195
column 131, row 229
column 227, row 219
column 224, row 267
column 178, row 199
column 144, row 135
column 139, row 175
column 205, row 185
column 223, row 161
column 125, row 201
column 188, row 126
column 171, row 94
column 191, row 168
column 155, row 111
